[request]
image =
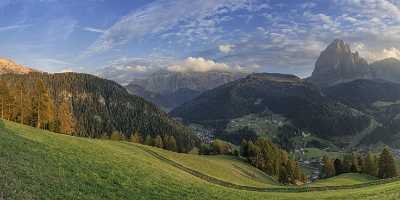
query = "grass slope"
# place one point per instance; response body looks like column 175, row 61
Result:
column 36, row 164
column 344, row 179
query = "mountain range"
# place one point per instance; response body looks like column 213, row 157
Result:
column 169, row 89
column 346, row 102
column 344, row 98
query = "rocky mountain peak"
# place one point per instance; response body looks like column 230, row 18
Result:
column 9, row 66
column 338, row 46
column 337, row 64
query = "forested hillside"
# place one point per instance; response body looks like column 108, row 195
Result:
column 303, row 104
column 84, row 105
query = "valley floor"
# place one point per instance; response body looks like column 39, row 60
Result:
column 36, row 164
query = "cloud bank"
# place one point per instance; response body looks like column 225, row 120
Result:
column 199, row 65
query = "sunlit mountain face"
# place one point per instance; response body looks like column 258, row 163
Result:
column 127, row 39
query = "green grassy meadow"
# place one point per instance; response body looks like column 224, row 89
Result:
column 344, row 179
column 36, row 164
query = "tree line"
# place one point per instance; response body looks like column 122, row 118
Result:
column 167, row 142
column 382, row 167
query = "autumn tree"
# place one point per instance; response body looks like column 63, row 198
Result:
column 4, row 96
column 42, row 101
column 21, row 102
column 355, row 167
column 328, row 169
column 171, row 143
column 370, row 166
column 136, row 137
column 115, row 135
column 158, row 142
column 66, row 118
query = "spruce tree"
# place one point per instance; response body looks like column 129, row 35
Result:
column 387, row 167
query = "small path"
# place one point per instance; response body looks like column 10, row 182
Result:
column 291, row 189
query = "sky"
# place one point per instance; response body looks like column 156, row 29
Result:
column 142, row 36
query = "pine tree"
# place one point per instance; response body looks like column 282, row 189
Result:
column 158, row 142
column 387, row 167
column 328, row 169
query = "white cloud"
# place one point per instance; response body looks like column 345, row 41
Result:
column 14, row 27
column 226, row 48
column 198, row 17
column 95, row 30
column 51, row 64
column 67, row 70
column 191, row 64
column 374, row 55
column 137, row 68
column 52, row 61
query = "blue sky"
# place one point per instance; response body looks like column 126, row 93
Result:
column 141, row 36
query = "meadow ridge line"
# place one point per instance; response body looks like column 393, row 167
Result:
column 290, row 189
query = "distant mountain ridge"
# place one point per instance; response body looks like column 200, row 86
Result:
column 9, row 66
column 165, row 81
column 169, row 89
